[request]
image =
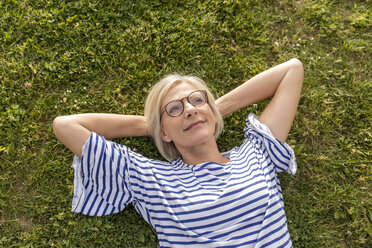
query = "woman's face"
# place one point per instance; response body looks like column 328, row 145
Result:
column 195, row 126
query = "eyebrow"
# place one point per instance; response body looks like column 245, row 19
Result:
column 180, row 98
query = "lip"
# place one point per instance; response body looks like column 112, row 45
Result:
column 193, row 125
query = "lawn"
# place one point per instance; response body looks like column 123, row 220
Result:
column 67, row 57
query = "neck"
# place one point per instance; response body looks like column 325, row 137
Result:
column 205, row 152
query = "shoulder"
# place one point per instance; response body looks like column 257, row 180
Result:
column 254, row 126
column 99, row 145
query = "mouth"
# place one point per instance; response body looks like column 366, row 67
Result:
column 193, row 125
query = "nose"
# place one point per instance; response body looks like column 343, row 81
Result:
column 189, row 109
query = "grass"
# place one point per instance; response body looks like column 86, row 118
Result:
column 66, row 57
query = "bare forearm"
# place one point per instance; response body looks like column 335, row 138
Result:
column 111, row 126
column 74, row 130
column 260, row 87
column 283, row 83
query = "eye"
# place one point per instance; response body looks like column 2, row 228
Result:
column 197, row 99
column 174, row 108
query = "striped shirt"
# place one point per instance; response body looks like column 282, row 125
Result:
column 237, row 204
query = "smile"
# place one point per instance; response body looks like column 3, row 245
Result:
column 194, row 124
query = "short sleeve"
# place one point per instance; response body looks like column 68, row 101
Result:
column 101, row 180
column 282, row 155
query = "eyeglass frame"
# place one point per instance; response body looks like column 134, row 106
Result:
column 183, row 105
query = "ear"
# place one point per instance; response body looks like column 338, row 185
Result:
column 165, row 137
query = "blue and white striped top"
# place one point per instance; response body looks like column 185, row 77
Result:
column 237, row 204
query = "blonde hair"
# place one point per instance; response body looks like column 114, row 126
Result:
column 153, row 111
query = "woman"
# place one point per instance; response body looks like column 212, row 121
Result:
column 201, row 198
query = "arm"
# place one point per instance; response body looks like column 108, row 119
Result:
column 283, row 83
column 74, row 130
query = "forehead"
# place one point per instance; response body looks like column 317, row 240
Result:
column 178, row 91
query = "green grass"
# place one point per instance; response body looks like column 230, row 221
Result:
column 62, row 57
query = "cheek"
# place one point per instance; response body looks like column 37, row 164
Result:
column 211, row 115
column 212, row 120
column 214, row 126
column 170, row 125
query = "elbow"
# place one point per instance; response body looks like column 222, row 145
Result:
column 296, row 63
column 297, row 67
column 59, row 123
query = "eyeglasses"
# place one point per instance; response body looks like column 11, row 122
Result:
column 196, row 98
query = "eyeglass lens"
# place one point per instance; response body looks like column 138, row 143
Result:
column 175, row 108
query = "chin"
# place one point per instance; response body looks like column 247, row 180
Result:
column 200, row 138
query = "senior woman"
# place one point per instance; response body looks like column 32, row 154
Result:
column 201, row 197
